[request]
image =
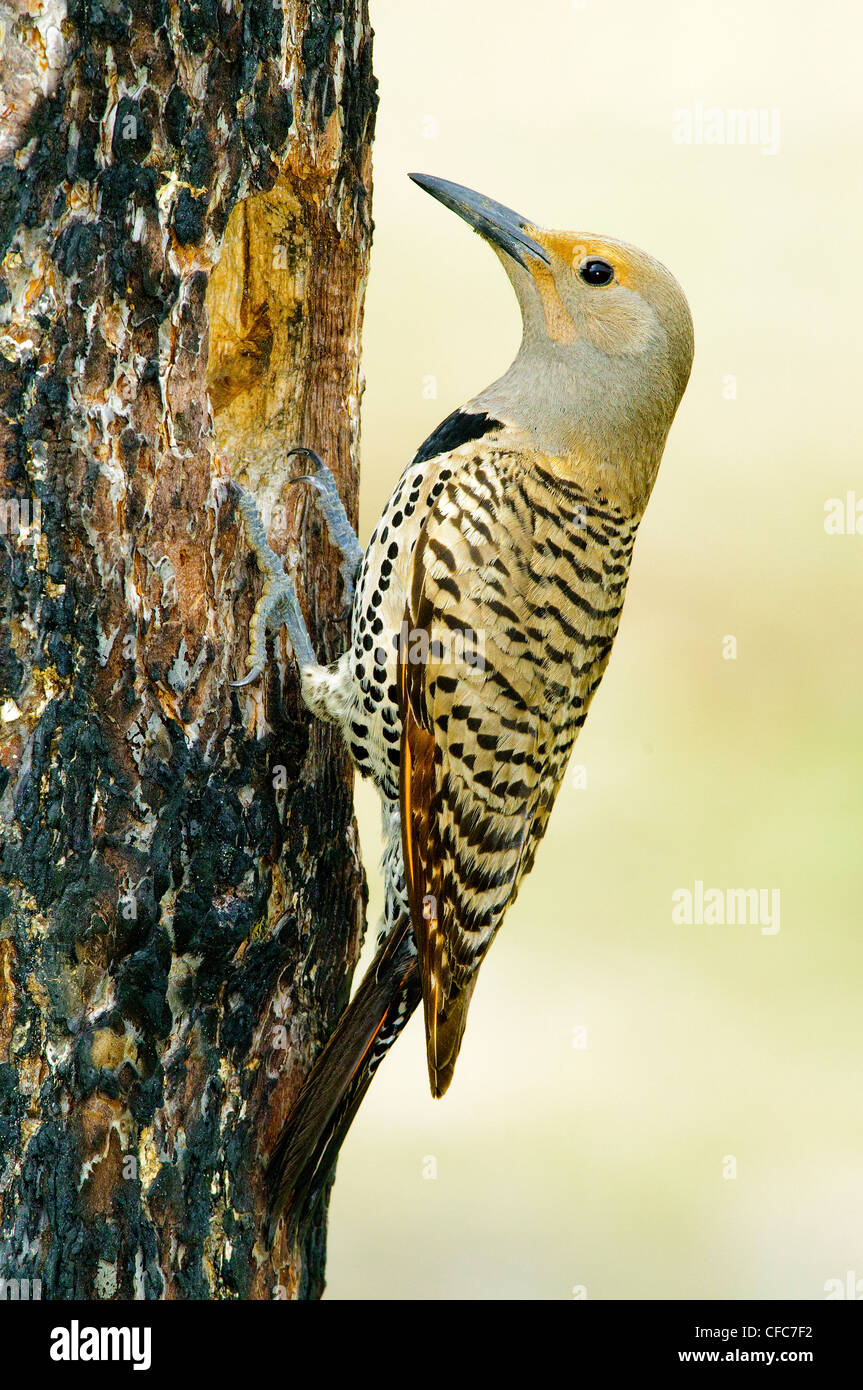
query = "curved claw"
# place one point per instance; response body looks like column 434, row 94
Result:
column 341, row 531
column 253, row 675
column 309, row 453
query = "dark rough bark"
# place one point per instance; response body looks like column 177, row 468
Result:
column 182, row 899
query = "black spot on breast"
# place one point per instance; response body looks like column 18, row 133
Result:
column 458, row 428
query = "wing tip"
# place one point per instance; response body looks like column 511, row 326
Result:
column 445, row 1038
column 440, row 1078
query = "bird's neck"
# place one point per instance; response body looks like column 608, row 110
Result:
column 569, row 408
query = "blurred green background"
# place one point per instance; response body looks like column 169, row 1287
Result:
column 600, row 1167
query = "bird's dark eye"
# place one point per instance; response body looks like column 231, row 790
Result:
column 596, row 271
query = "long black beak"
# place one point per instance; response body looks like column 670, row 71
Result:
column 507, row 229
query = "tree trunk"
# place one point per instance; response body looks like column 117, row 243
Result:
column 185, row 221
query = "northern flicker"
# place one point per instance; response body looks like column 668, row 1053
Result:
column 483, row 614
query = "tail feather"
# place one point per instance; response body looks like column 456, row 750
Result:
column 309, row 1145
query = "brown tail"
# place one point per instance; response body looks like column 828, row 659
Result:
column 308, row 1146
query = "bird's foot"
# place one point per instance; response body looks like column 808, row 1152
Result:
column 278, row 605
column 341, row 533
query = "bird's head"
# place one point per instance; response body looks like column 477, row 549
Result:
column 606, row 348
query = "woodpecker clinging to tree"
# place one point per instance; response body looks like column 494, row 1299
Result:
column 483, row 614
